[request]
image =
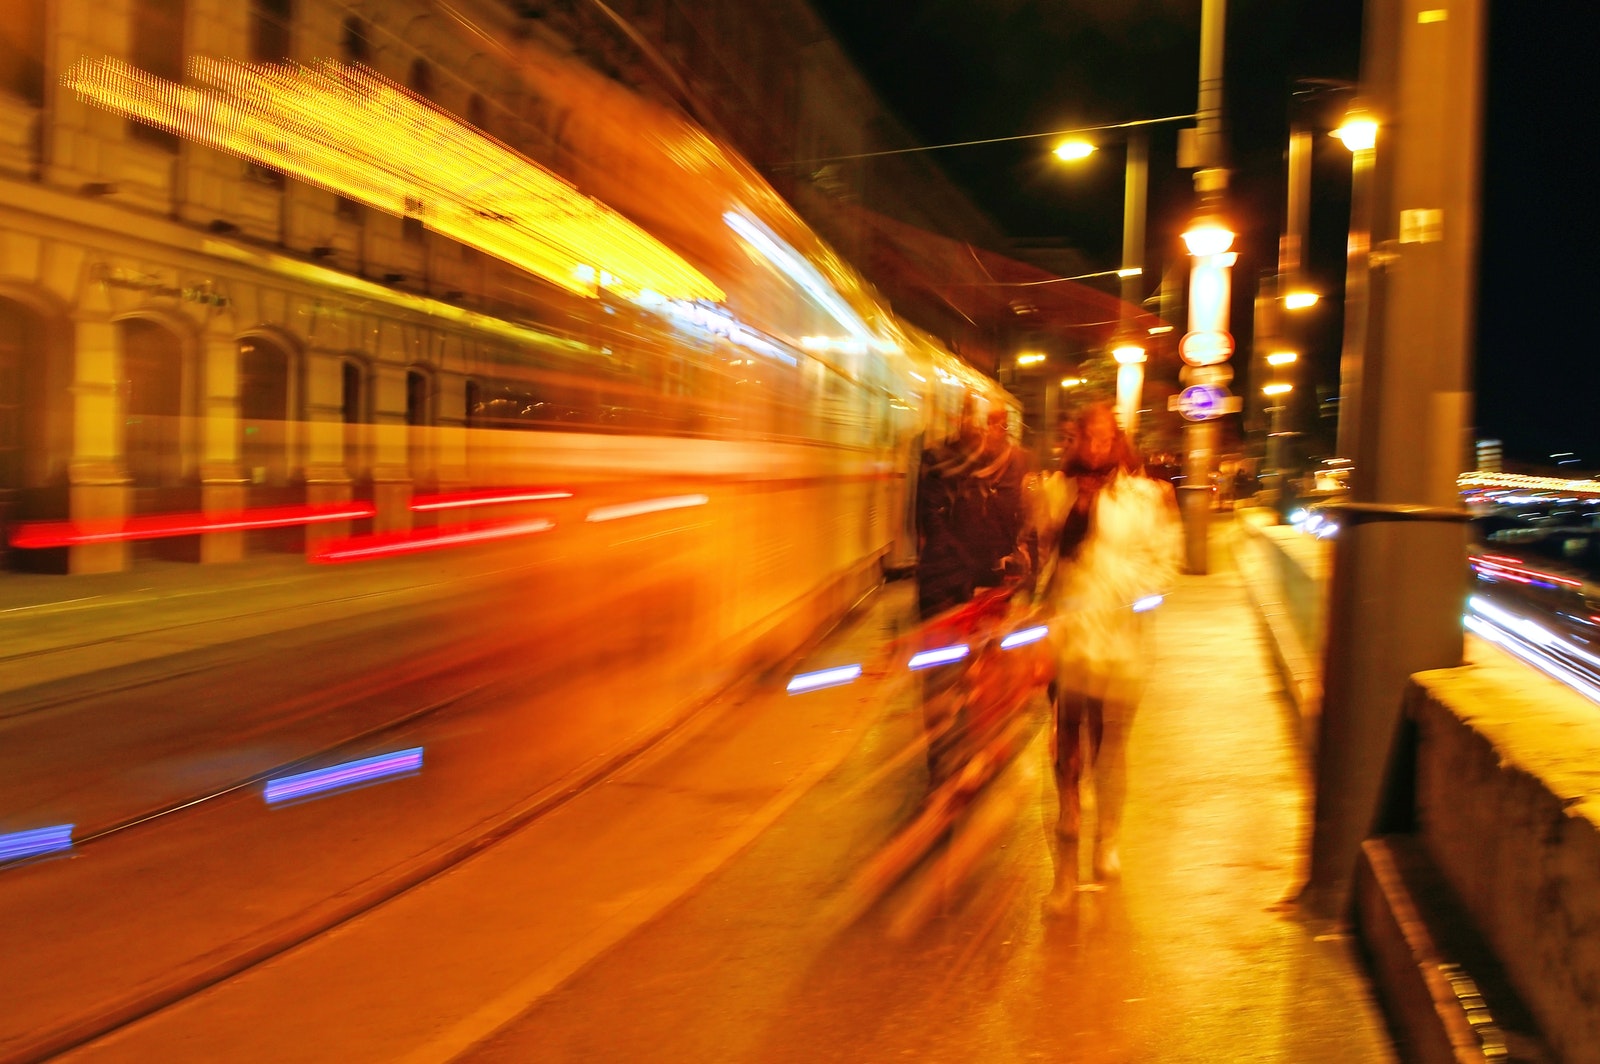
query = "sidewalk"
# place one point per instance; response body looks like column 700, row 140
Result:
column 1192, row 956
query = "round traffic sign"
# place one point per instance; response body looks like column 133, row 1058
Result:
column 1206, row 348
column 1201, row 402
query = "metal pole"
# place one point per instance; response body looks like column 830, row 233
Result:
column 1210, row 182
column 1396, row 597
column 1130, row 384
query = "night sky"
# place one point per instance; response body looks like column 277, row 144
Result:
column 955, row 70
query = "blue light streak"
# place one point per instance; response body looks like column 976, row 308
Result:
column 815, row 681
column 19, row 844
column 1025, row 636
column 366, row 770
column 938, row 656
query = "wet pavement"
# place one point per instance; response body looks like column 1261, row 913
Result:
column 683, row 908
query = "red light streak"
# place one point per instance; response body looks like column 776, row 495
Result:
column 1512, row 569
column 389, row 544
column 41, row 535
column 493, row 497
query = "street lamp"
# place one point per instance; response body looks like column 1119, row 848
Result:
column 1136, row 180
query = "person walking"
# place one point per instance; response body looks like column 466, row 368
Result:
column 1118, row 544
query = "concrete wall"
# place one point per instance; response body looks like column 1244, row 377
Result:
column 1508, row 806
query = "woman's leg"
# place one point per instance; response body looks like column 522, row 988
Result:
column 1111, row 784
column 1068, row 769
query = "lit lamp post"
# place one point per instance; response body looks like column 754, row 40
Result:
column 1359, row 133
column 1129, row 354
column 1207, row 345
column 1205, row 349
column 1279, row 391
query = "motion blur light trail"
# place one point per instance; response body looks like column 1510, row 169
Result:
column 351, row 131
column 1025, row 636
column 35, row 843
column 1536, row 645
column 45, row 534
column 648, row 506
column 388, row 544
column 338, row 777
column 499, row 497
column 938, row 656
column 815, row 681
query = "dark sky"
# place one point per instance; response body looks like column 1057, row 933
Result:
column 956, row 70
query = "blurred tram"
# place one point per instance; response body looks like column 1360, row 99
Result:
column 760, row 444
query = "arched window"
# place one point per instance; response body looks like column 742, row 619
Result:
column 152, row 386
column 263, row 410
column 156, row 46
column 22, row 50
column 477, row 113
column 270, row 22
column 353, row 41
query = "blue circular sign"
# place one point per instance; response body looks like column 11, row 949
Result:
column 1201, row 402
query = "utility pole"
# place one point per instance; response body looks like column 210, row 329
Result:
column 1399, row 567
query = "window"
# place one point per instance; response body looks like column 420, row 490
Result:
column 473, row 402
column 416, row 398
column 347, row 209
column 352, row 409
column 263, row 410
column 354, row 41
column 269, row 30
column 152, row 375
column 476, row 112
column 22, row 50
column 421, row 79
column 156, row 46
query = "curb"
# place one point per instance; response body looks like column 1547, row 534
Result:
column 1444, row 995
column 1297, row 669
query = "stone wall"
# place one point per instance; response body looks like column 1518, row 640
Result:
column 1508, row 810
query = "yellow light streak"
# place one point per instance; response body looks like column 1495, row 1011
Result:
column 354, row 132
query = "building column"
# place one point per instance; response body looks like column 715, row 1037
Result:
column 99, row 488
column 327, row 478
column 222, row 481
column 391, row 464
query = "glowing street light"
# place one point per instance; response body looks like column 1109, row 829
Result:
column 1359, row 131
column 1030, row 358
column 1282, row 358
column 1128, row 354
column 1072, row 382
column 1300, row 300
column 1279, row 388
column 1208, row 236
column 1073, row 150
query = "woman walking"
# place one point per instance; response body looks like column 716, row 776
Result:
column 1118, row 548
